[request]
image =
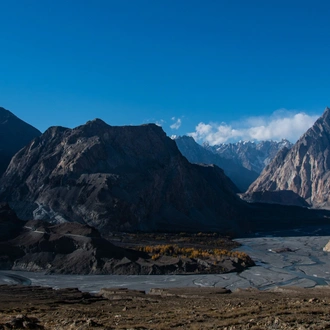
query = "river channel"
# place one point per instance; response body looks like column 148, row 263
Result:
column 282, row 259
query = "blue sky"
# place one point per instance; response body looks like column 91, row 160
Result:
column 231, row 66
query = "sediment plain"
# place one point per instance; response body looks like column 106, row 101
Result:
column 282, row 258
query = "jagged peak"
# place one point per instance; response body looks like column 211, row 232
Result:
column 326, row 114
column 183, row 137
column 4, row 110
column 152, row 126
column 323, row 121
column 54, row 130
column 96, row 121
column 91, row 127
column 6, row 114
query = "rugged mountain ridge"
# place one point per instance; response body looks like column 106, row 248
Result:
column 254, row 156
column 304, row 169
column 118, row 178
column 195, row 153
column 14, row 135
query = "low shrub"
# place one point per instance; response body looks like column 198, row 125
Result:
column 175, row 251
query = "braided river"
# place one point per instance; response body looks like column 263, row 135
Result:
column 284, row 258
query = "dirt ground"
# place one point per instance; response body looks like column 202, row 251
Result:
column 195, row 308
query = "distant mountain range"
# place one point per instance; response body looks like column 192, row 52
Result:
column 242, row 162
column 195, row 153
column 254, row 156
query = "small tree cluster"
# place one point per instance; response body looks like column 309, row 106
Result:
column 175, row 251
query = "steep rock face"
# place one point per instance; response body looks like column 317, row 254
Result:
column 195, row 153
column 14, row 135
column 253, row 156
column 304, row 169
column 118, row 178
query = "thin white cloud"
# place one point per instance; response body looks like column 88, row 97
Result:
column 160, row 122
column 177, row 123
column 282, row 124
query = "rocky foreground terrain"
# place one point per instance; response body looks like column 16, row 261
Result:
column 188, row 308
column 73, row 248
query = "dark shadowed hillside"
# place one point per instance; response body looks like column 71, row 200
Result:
column 14, row 135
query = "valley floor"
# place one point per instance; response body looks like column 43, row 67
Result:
column 275, row 301
column 282, row 259
column 31, row 307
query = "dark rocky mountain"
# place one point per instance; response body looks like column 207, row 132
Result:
column 254, row 156
column 304, row 169
column 195, row 153
column 119, row 178
column 14, row 135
